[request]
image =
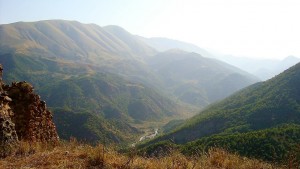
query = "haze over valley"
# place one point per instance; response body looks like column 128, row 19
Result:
column 139, row 98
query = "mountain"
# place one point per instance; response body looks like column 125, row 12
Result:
column 165, row 44
column 111, row 96
column 112, row 49
column 69, row 40
column 198, row 80
column 286, row 63
column 262, row 68
column 261, row 121
column 79, row 43
column 137, row 46
column 260, row 106
column 111, row 72
column 87, row 103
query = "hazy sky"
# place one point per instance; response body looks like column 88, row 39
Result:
column 253, row 28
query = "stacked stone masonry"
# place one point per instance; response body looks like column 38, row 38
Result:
column 23, row 116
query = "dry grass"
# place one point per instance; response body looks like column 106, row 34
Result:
column 76, row 155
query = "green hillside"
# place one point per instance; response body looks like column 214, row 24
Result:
column 110, row 95
column 279, row 144
column 87, row 104
column 263, row 105
column 106, row 99
column 261, row 121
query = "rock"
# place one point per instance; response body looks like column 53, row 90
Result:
column 33, row 120
column 23, row 116
column 8, row 135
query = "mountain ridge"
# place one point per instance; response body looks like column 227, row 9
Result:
column 51, row 53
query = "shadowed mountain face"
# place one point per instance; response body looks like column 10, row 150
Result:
column 260, row 106
column 72, row 58
column 198, row 80
column 87, row 103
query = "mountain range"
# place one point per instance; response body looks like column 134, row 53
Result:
column 264, row 69
column 104, row 84
column 103, row 72
column 109, row 49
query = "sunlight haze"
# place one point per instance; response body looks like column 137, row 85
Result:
column 247, row 28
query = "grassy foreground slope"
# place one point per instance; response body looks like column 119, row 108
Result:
column 81, row 156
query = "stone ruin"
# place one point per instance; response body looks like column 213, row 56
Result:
column 23, row 116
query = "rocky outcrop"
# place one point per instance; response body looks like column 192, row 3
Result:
column 23, row 116
column 33, row 122
column 8, row 134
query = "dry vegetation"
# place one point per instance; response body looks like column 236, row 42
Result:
column 77, row 155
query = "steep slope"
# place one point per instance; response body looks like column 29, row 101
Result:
column 67, row 39
column 115, row 102
column 58, row 55
column 277, row 144
column 260, row 106
column 111, row 96
column 112, row 49
column 198, row 80
column 87, row 104
column 79, row 43
column 134, row 44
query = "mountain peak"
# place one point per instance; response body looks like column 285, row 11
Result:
column 291, row 58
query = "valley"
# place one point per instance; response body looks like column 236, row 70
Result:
column 93, row 72
column 107, row 87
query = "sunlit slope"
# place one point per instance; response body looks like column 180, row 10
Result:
column 67, row 39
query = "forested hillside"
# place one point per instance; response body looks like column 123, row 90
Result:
column 248, row 119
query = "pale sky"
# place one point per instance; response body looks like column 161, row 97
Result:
column 251, row 28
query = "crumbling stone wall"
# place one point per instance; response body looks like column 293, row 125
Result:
column 23, row 116
column 8, row 135
column 33, row 122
